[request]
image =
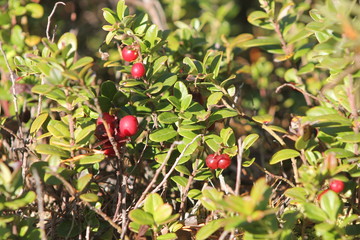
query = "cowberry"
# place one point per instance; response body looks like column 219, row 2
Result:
column 129, row 54
column 138, row 70
column 100, row 131
column 337, row 185
column 211, row 161
column 128, row 126
column 224, row 161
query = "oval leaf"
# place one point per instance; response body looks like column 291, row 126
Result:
column 284, row 154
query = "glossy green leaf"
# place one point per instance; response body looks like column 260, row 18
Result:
column 265, row 41
column 151, row 35
column 298, row 194
column 81, row 63
column 314, row 213
column 351, row 138
column 162, row 135
column 108, row 89
column 84, row 133
column 191, row 64
column 206, row 231
column 213, row 99
column 227, row 136
column 340, row 152
column 215, row 65
column 91, row 159
column 214, row 142
column 83, row 181
column 221, row 114
column 141, row 217
column 284, row 154
column 159, row 63
column 26, row 199
column 35, row 9
column 195, row 194
column 168, row 118
column 185, row 102
column 109, row 15
column 152, row 202
column 58, row 129
column 182, row 181
column 162, row 213
column 89, row 197
column 250, row 140
column 38, row 122
column 167, row 236
column 68, row 39
column 51, row 150
column 121, row 9
column 331, row 204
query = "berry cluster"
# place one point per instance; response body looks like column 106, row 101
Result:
column 130, row 54
column 119, row 129
column 335, row 185
column 218, row 161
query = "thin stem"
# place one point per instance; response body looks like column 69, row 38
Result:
column 40, row 202
column 49, row 19
column 175, row 164
column 273, row 175
column 238, row 167
column 354, row 112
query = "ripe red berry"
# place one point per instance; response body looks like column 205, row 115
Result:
column 107, row 117
column 100, row 131
column 129, row 54
column 211, row 161
column 109, row 152
column 224, row 161
column 128, row 126
column 138, row 70
column 337, row 185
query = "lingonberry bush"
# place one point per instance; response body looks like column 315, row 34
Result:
column 192, row 133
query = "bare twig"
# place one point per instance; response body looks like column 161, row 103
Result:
column 354, row 110
column 39, row 196
column 273, row 175
column 238, row 167
column 49, row 18
column 303, row 92
column 175, row 164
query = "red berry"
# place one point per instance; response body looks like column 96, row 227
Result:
column 337, row 185
column 138, row 70
column 128, row 126
column 100, row 131
column 211, row 161
column 107, row 117
column 224, row 161
column 109, row 152
column 129, row 54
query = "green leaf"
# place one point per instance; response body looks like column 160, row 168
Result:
column 81, row 63
column 168, row 118
column 182, row 181
column 89, row 197
column 221, row 114
column 174, row 101
column 121, row 9
column 314, row 213
column 263, row 118
column 284, row 154
column 151, row 35
column 68, row 39
column 191, row 64
column 180, row 90
column 38, row 122
column 214, row 142
column 185, row 102
column 213, row 99
column 84, row 133
column 36, row 10
column 91, row 159
column 195, row 194
column 163, row 135
column 28, row 198
column 162, row 213
column 141, row 217
column 260, row 19
column 51, row 150
column 167, row 236
column 227, row 136
column 340, row 152
column 331, row 204
column 297, row 193
column 109, row 15
column 215, row 65
column 83, row 181
column 250, row 140
column 265, row 41
column 351, row 138
column 159, row 63
column 58, row 129
column 108, row 89
column 206, row 231
column 182, row 169
column 152, row 202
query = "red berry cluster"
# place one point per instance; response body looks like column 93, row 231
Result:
column 335, row 185
column 218, row 161
column 119, row 129
column 129, row 54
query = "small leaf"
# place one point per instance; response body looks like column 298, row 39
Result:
column 249, row 140
column 83, row 182
column 206, row 231
column 68, row 39
column 314, row 213
column 51, row 150
column 331, row 204
column 108, row 89
column 81, row 63
column 297, row 193
column 141, row 217
column 182, row 181
column 108, row 16
column 227, row 136
column 91, row 159
column 159, row 63
column 121, row 9
column 168, row 118
column 36, row 10
column 221, row 114
column 191, row 64
column 152, row 202
column 215, row 65
column 351, row 138
column 195, row 194
column 284, row 154
column 340, row 152
column 38, row 122
column 213, row 99
column 185, row 102
column 163, row 135
column 162, row 213
column 89, row 197
column 15, row 204
column 167, row 236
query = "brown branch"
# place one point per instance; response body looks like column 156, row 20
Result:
column 238, row 167
column 273, row 175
